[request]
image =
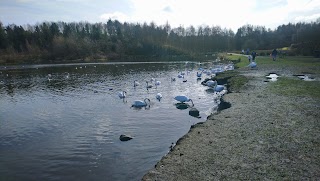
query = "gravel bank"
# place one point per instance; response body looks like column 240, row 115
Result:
column 262, row 136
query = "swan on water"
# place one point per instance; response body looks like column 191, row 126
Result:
column 122, row 94
column 139, row 103
column 211, row 83
column 183, row 98
column 49, row 77
column 159, row 96
column 148, row 86
column 218, row 88
column 67, row 75
column 135, row 83
column 157, row 83
column 199, row 74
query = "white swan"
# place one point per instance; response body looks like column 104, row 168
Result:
column 211, row 83
column 135, row 83
column 218, row 88
column 183, row 98
column 157, row 83
column 139, row 103
column 199, row 74
column 49, row 77
column 159, row 96
column 148, row 86
column 180, row 76
column 122, row 94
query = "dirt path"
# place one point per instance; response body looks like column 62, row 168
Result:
column 263, row 136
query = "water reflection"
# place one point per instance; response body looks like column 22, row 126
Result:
column 182, row 106
column 71, row 123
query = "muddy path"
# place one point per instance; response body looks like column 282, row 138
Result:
column 262, row 136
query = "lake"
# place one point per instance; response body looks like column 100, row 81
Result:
column 63, row 122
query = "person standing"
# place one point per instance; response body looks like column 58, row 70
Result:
column 274, row 54
column 253, row 54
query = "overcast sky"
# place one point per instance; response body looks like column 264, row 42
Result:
column 225, row 13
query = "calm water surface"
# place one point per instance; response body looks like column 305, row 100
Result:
column 68, row 128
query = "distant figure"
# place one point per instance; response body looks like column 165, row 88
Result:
column 249, row 58
column 242, row 51
column 274, row 54
column 253, row 54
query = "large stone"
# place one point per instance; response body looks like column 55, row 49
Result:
column 194, row 112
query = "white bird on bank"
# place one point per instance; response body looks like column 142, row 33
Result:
column 139, row 103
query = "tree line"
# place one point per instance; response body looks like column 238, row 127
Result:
column 56, row 42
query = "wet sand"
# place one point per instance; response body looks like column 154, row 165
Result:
column 262, row 136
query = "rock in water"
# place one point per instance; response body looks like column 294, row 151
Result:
column 194, row 112
column 125, row 137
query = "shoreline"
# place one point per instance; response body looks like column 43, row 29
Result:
column 262, row 136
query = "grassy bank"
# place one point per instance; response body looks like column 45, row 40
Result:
column 287, row 85
column 305, row 63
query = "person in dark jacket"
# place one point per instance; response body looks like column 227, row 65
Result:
column 253, row 54
column 274, row 54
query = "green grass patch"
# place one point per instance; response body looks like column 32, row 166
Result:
column 305, row 63
column 293, row 87
column 233, row 80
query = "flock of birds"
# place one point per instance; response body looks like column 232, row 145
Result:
column 212, row 84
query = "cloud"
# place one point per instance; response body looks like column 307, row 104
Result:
column 308, row 18
column 167, row 9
